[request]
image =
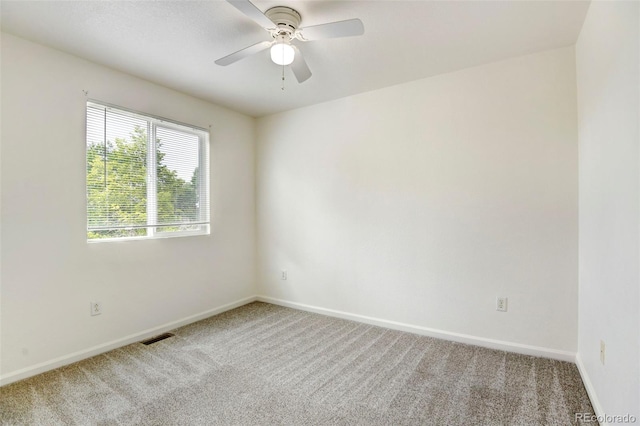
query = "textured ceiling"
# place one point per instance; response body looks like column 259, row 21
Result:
column 175, row 43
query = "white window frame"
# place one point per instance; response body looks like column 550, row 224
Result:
column 153, row 122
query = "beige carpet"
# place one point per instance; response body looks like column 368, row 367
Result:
column 264, row 364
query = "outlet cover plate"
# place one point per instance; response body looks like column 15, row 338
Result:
column 95, row 308
column 501, row 304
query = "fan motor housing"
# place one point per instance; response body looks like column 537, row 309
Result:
column 285, row 18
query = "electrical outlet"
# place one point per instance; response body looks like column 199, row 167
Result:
column 283, row 275
column 96, row 308
column 501, row 304
column 602, row 352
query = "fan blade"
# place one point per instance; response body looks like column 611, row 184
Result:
column 299, row 67
column 241, row 54
column 348, row 28
column 249, row 9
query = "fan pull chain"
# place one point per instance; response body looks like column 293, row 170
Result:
column 282, row 70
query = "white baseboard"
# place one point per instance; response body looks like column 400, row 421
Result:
column 425, row 331
column 595, row 403
column 440, row 334
column 114, row 344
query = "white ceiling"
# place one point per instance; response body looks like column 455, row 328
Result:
column 175, row 43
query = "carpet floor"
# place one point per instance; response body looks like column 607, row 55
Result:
column 262, row 364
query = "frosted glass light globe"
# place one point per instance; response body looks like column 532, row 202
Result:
column 282, row 53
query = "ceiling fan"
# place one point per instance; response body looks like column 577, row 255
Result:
column 283, row 24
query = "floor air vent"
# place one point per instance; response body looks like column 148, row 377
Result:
column 156, row 338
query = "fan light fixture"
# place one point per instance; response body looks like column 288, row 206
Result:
column 281, row 52
column 283, row 25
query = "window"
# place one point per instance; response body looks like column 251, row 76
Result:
column 146, row 177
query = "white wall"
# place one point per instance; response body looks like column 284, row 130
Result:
column 608, row 77
column 420, row 203
column 49, row 272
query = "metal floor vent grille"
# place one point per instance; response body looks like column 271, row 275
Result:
column 157, row 338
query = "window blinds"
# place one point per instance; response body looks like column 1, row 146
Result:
column 145, row 177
